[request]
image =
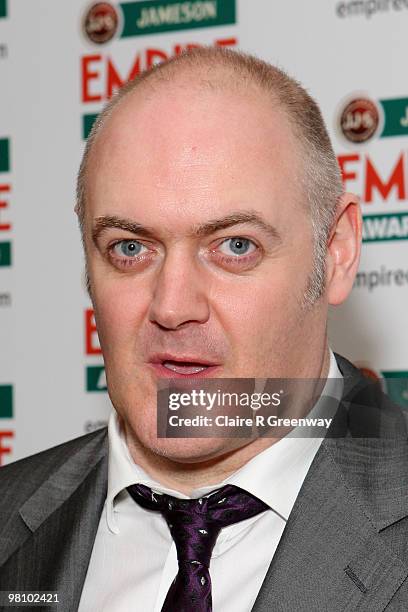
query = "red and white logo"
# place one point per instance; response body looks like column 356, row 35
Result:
column 101, row 22
column 359, row 120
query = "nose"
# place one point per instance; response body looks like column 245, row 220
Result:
column 179, row 293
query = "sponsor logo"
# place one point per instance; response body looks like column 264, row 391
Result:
column 383, row 277
column 96, row 378
column 393, row 382
column 5, row 299
column 92, row 346
column 5, row 254
column 5, row 188
column 396, row 117
column 3, row 8
column 100, row 22
column 101, row 77
column 397, row 386
column 87, row 122
column 4, row 155
column 379, row 228
column 368, row 8
column 6, row 412
column 360, row 118
column 5, row 449
column 152, row 16
column 6, row 402
column 377, row 184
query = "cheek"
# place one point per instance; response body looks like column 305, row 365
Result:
column 260, row 304
column 119, row 311
column 264, row 320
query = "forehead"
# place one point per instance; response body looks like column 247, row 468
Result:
column 191, row 151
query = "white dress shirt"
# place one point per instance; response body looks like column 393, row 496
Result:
column 134, row 558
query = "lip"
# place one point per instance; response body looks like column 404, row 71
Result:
column 157, row 360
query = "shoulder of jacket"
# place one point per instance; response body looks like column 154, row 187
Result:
column 29, row 473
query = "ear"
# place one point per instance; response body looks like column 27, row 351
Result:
column 344, row 248
column 76, row 209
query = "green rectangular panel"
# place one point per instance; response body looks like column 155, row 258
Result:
column 397, row 386
column 95, row 378
column 87, row 123
column 5, row 254
column 4, row 154
column 3, row 8
column 6, row 402
column 379, row 228
column 156, row 16
column 396, row 117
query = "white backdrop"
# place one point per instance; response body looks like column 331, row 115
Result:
column 53, row 76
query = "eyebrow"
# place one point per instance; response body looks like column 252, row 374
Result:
column 249, row 217
column 203, row 229
column 109, row 221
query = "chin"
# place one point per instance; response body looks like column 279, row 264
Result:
column 189, row 450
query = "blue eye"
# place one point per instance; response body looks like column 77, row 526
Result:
column 237, row 246
column 128, row 248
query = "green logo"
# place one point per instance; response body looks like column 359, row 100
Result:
column 6, row 402
column 361, row 118
column 87, row 123
column 155, row 16
column 397, row 386
column 3, row 8
column 4, row 154
column 396, row 117
column 377, row 228
column 5, row 254
column 96, row 378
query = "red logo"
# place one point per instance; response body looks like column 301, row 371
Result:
column 370, row 373
column 374, row 375
column 101, row 23
column 359, row 120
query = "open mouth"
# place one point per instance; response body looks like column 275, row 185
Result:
column 169, row 367
column 181, row 367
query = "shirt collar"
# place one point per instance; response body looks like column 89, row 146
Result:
column 275, row 475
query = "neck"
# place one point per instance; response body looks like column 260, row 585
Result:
column 184, row 476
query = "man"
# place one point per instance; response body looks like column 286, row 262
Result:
column 216, row 235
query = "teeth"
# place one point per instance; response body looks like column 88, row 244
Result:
column 183, row 369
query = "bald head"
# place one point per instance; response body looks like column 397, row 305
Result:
column 204, row 72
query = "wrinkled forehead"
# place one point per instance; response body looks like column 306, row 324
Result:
column 167, row 137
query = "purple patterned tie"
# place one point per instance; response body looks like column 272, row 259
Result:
column 195, row 525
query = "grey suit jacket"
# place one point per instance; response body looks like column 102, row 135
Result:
column 345, row 545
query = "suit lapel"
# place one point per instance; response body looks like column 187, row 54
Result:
column 334, row 554
column 61, row 519
column 331, row 556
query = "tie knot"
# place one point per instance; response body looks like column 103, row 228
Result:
column 195, row 523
